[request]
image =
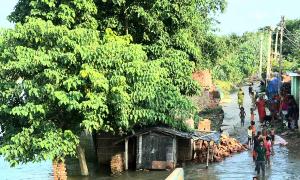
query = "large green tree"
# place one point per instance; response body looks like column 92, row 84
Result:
column 159, row 25
column 60, row 75
column 142, row 20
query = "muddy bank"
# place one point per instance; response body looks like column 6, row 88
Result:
column 208, row 107
column 216, row 115
column 293, row 139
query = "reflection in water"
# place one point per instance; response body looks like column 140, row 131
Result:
column 285, row 165
column 30, row 171
column 241, row 166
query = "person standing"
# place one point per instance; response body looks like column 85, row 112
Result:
column 251, row 89
column 261, row 104
column 293, row 113
column 268, row 146
column 261, row 158
column 242, row 116
column 253, row 128
column 249, row 132
column 252, row 114
column 272, row 135
column 256, row 140
column 240, row 98
column 253, row 100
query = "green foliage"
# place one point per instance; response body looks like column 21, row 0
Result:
column 161, row 24
column 235, row 58
column 291, row 39
column 291, row 46
column 63, row 68
column 55, row 82
column 75, row 13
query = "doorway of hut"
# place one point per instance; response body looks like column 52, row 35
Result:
column 132, row 149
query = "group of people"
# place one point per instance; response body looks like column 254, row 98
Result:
column 262, row 149
column 261, row 142
column 281, row 106
column 241, row 103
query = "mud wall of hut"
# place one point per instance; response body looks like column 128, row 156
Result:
column 184, row 149
column 106, row 148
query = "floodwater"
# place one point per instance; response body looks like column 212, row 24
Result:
column 285, row 165
column 285, row 162
column 35, row 171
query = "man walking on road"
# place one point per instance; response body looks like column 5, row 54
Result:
column 261, row 158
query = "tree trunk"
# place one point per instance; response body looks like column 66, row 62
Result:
column 82, row 162
column 126, row 20
column 59, row 170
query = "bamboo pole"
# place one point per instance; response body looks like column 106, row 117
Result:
column 126, row 154
column 207, row 159
column 213, row 153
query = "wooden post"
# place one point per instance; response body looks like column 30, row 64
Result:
column 82, row 161
column 207, row 159
column 269, row 55
column 192, row 149
column 139, row 151
column 276, row 44
column 126, row 154
column 213, row 153
column 174, row 152
column 280, row 57
column 260, row 56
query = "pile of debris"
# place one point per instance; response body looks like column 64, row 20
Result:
column 217, row 152
column 117, row 164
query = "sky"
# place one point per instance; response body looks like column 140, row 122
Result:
column 7, row 6
column 239, row 17
column 250, row 15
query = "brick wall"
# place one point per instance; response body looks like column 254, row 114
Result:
column 204, row 78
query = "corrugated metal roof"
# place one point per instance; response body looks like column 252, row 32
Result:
column 195, row 135
column 293, row 74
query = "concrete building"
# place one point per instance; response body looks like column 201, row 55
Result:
column 295, row 90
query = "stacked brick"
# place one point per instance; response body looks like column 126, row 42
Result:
column 59, row 170
column 218, row 152
column 117, row 164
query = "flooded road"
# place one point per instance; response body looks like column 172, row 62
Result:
column 285, row 165
column 285, row 162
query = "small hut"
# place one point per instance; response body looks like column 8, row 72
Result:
column 161, row 148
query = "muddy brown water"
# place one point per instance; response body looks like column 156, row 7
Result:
column 285, row 162
column 240, row 166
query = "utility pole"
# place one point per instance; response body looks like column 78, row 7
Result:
column 276, row 44
column 269, row 55
column 260, row 56
column 280, row 57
